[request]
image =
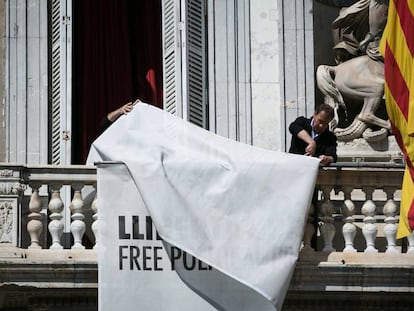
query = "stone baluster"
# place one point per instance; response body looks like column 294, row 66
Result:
column 369, row 229
column 410, row 239
column 390, row 229
column 34, row 224
column 56, row 224
column 77, row 226
column 95, row 224
column 309, row 230
column 348, row 229
column 327, row 227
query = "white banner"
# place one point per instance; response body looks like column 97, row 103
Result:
column 239, row 210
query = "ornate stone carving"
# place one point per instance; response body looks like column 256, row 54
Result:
column 6, row 222
column 6, row 173
column 9, row 188
column 355, row 86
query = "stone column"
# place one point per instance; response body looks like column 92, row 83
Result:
column 10, row 199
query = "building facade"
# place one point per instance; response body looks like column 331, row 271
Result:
column 256, row 71
column 241, row 69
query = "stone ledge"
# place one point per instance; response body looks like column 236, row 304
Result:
column 359, row 150
column 369, row 260
column 320, row 273
column 11, row 254
column 64, row 269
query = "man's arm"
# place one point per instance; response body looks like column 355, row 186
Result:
column 113, row 115
column 298, row 128
column 311, row 147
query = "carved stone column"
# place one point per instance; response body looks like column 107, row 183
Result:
column 77, row 227
column 390, row 229
column 410, row 239
column 349, row 229
column 96, row 223
column 369, row 229
column 309, row 230
column 327, row 227
column 34, row 225
column 11, row 191
column 56, row 225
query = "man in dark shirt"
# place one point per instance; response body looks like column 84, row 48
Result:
column 312, row 136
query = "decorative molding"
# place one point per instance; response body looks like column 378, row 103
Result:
column 6, row 222
column 8, row 188
column 6, row 173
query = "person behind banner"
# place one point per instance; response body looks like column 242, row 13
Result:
column 312, row 137
column 112, row 116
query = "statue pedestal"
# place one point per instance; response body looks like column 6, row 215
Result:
column 359, row 150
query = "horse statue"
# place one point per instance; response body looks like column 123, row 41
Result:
column 358, row 79
column 362, row 79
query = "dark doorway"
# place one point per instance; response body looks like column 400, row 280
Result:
column 116, row 59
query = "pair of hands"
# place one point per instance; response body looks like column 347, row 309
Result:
column 310, row 151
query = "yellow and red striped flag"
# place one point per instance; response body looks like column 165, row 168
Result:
column 397, row 47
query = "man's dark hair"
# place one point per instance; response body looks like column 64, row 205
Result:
column 327, row 109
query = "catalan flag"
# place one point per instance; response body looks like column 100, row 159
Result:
column 397, row 47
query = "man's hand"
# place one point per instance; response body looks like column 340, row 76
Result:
column 310, row 149
column 325, row 160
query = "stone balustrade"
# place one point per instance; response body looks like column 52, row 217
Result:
column 44, row 207
column 41, row 205
column 357, row 209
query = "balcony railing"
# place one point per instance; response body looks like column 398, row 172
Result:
column 44, row 207
column 358, row 208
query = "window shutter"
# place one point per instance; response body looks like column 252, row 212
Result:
column 184, row 59
column 196, row 62
column 60, row 101
column 172, row 57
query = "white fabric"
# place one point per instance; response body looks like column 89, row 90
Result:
column 238, row 208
